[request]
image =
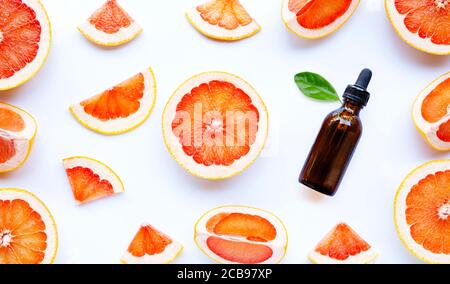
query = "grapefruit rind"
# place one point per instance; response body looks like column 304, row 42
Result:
column 121, row 125
column 23, row 139
column 218, row 33
column 39, row 206
column 401, row 225
column 30, row 70
column 102, row 170
column 170, row 253
column 414, row 40
column 214, row 172
column 290, row 21
column 427, row 129
column 366, row 257
column 279, row 245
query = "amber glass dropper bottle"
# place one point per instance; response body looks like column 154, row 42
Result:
column 337, row 140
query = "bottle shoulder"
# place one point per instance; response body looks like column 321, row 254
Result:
column 342, row 116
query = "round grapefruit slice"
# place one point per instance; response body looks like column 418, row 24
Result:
column 240, row 234
column 223, row 20
column 91, row 180
column 431, row 113
column 17, row 132
column 121, row 108
column 314, row 19
column 150, row 246
column 423, row 24
column 110, row 25
column 25, row 36
column 342, row 245
column 215, row 125
column 27, row 229
column 422, row 212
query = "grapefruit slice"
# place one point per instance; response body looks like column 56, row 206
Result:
column 423, row 24
column 431, row 113
column 25, row 36
column 91, row 180
column 223, row 20
column 17, row 132
column 240, row 234
column 27, row 229
column 342, row 245
column 314, row 19
column 215, row 125
column 110, row 25
column 150, row 246
column 422, row 212
column 121, row 108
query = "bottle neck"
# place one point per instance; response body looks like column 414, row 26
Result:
column 352, row 106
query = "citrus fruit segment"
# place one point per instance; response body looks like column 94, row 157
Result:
column 431, row 113
column 27, row 230
column 90, row 179
column 121, row 108
column 423, row 24
column 110, row 25
column 215, row 125
column 422, row 212
column 223, row 20
column 342, row 245
column 240, row 234
column 25, row 37
column 150, row 246
column 317, row 18
column 17, row 132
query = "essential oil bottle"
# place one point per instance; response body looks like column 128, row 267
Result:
column 337, row 140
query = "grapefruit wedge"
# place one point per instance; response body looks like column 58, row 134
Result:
column 241, row 235
column 25, row 36
column 121, row 108
column 431, row 114
column 110, row 25
column 91, row 180
column 223, row 20
column 314, row 19
column 27, row 229
column 215, row 125
column 17, row 131
column 150, row 246
column 342, row 245
column 423, row 24
column 422, row 212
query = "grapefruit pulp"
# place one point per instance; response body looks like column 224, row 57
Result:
column 317, row 18
column 240, row 234
column 25, row 36
column 215, row 125
column 27, row 230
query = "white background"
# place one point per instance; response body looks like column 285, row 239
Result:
column 160, row 192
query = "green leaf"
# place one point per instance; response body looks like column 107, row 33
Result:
column 315, row 86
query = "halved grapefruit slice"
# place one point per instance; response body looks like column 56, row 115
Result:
column 423, row 24
column 223, row 20
column 17, row 131
column 91, row 180
column 215, row 125
column 241, row 234
column 110, row 25
column 25, row 36
column 314, row 19
column 121, row 108
column 150, row 246
column 27, row 229
column 431, row 113
column 342, row 245
column 422, row 212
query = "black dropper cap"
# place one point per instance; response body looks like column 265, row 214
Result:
column 358, row 92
